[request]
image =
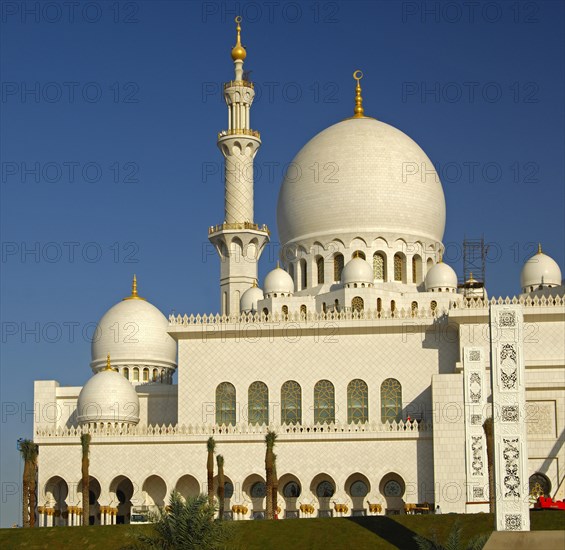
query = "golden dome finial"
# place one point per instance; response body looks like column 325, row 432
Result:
column 358, row 111
column 278, row 265
column 254, row 283
column 134, row 286
column 539, row 248
column 440, row 257
column 238, row 52
column 134, row 295
column 108, row 364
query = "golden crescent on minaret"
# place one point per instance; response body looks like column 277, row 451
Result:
column 238, row 52
column 358, row 111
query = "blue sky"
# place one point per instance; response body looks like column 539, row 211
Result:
column 110, row 166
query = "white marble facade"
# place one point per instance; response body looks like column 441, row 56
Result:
column 376, row 382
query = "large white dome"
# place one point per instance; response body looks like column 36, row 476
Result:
column 540, row 270
column 108, row 397
column 361, row 176
column 133, row 332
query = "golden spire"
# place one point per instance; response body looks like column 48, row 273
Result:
column 356, row 254
column 539, row 248
column 278, row 265
column 134, row 295
column 440, row 257
column 358, row 111
column 238, row 52
column 254, row 283
column 108, row 364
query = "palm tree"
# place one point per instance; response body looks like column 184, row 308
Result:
column 221, row 486
column 34, row 452
column 270, row 439
column 187, row 524
column 28, row 451
column 211, row 445
column 85, row 444
column 275, row 485
column 488, row 428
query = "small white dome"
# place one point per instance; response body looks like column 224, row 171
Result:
column 108, row 397
column 250, row 298
column 357, row 270
column 133, row 332
column 441, row 275
column 540, row 270
column 278, row 280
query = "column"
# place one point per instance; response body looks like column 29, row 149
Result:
column 509, row 413
column 476, row 385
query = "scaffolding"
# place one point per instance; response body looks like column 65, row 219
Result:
column 474, row 262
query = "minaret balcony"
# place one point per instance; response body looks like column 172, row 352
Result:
column 239, row 83
column 238, row 226
column 239, row 131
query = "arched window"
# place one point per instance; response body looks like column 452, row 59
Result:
column 303, row 275
column 303, row 310
column 416, row 269
column 155, row 375
column 291, row 403
column 433, row 306
column 392, row 306
column 338, row 267
column 136, row 374
column 265, row 311
column 284, row 310
column 324, row 307
column 225, row 404
column 358, row 254
column 324, row 402
column 320, row 269
column 379, row 266
column 391, row 400
column 126, row 373
column 146, row 374
column 258, row 403
column 540, row 486
column 398, row 267
column 336, row 305
column 414, row 308
column 357, row 402
column 357, row 304
column 379, row 305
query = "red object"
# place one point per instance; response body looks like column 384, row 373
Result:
column 547, row 503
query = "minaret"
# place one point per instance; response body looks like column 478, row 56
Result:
column 239, row 241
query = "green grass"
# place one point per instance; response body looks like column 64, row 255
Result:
column 359, row 533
